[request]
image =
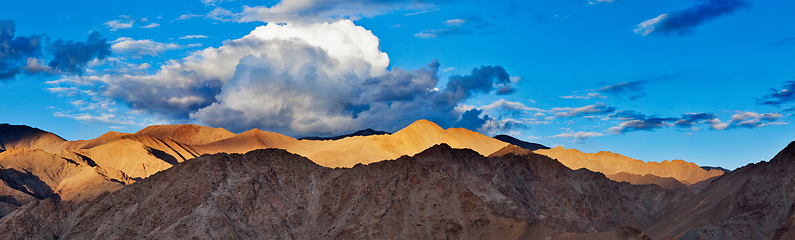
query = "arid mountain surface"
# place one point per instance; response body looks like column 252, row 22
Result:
column 439, row 193
column 154, row 184
column 349, row 151
column 612, row 163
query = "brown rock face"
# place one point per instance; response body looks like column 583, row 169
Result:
column 611, row 163
column 440, row 193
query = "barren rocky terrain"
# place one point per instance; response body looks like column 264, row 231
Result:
column 189, row 181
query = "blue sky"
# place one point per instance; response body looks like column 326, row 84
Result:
column 706, row 81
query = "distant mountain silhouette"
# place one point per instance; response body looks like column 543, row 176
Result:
column 522, row 144
column 716, row 168
column 365, row 132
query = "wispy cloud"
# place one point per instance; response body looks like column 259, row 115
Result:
column 601, row 1
column 193, row 36
column 188, row 16
column 139, row 48
column 594, row 109
column 684, row 22
column 119, row 24
column 504, row 105
column 464, row 24
column 587, row 96
column 314, row 11
column 634, row 89
column 420, row 12
column 106, row 118
column 581, row 135
column 152, row 25
column 212, row 2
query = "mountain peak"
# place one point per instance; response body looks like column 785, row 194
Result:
column 421, row 125
column 787, row 153
column 187, row 133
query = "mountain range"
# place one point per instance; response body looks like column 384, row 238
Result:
column 169, row 181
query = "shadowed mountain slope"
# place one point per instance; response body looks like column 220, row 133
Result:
column 21, row 136
column 519, row 143
column 27, row 175
column 439, row 193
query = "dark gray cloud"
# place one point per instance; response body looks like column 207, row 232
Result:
column 481, row 80
column 633, row 90
column 15, row 50
column 778, row 97
column 691, row 119
column 641, row 124
column 684, row 22
column 506, row 90
column 72, row 57
column 18, row 53
column 634, row 121
column 590, row 110
column 471, row 120
column 627, row 115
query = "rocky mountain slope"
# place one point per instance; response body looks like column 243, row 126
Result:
column 756, row 201
column 439, row 193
